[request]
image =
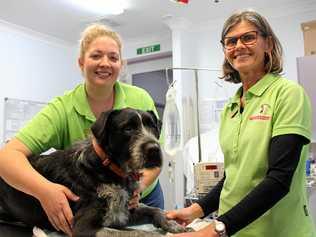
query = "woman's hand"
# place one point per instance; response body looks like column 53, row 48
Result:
column 186, row 215
column 54, row 200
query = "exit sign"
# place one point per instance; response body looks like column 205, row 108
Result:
column 148, row 49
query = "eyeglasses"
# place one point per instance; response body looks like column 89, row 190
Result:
column 248, row 38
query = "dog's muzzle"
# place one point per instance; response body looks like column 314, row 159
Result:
column 152, row 155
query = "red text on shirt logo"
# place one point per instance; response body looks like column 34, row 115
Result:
column 260, row 117
column 263, row 113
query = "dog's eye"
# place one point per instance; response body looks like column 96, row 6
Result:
column 128, row 129
column 131, row 125
column 148, row 122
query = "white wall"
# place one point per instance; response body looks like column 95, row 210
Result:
column 34, row 67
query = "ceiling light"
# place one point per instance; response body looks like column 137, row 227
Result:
column 108, row 7
column 181, row 1
column 306, row 28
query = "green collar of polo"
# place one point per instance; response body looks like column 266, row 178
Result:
column 82, row 106
column 258, row 89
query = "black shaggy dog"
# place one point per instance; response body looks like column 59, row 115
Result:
column 104, row 172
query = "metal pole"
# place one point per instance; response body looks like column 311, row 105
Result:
column 196, row 76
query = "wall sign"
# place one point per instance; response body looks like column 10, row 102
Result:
column 16, row 113
column 148, row 49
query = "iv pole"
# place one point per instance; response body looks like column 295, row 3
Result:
column 196, row 79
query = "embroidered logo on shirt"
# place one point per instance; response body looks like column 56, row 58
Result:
column 263, row 113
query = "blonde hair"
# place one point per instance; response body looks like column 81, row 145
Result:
column 94, row 31
column 273, row 62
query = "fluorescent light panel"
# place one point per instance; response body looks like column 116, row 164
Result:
column 103, row 7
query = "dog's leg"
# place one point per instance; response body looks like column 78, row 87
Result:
column 145, row 214
column 88, row 223
column 108, row 210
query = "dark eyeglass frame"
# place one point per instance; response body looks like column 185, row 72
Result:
column 241, row 38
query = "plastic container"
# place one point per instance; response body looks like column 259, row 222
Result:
column 171, row 124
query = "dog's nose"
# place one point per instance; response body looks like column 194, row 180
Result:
column 153, row 155
column 153, row 148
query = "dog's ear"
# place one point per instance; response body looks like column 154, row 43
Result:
column 98, row 128
column 156, row 120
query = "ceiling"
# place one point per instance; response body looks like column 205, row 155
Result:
column 142, row 18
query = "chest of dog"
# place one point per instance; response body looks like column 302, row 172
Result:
column 114, row 199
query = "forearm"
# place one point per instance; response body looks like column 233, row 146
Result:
column 148, row 177
column 16, row 170
column 196, row 211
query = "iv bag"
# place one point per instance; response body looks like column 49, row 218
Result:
column 171, row 124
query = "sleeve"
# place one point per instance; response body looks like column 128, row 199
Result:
column 45, row 129
column 292, row 112
column 284, row 155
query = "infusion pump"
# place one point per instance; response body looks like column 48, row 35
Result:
column 207, row 175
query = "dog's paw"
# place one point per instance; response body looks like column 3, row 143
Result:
column 174, row 227
column 189, row 229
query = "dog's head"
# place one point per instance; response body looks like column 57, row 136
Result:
column 130, row 138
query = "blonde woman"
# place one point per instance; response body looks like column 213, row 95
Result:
column 67, row 119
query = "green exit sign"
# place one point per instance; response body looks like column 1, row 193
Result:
column 148, row 49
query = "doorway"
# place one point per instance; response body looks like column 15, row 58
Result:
column 156, row 85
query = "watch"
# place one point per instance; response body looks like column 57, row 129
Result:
column 220, row 228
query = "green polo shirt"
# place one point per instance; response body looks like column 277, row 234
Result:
column 68, row 118
column 274, row 106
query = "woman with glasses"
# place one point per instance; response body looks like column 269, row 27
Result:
column 264, row 133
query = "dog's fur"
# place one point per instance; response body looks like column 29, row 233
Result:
column 130, row 138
